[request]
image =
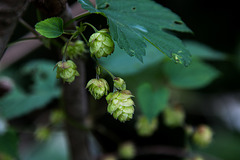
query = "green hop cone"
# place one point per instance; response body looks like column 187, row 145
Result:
column 74, row 49
column 57, row 116
column 101, row 44
column 173, row 116
column 67, row 71
column 127, row 150
column 119, row 83
column 145, row 127
column 120, row 105
column 98, row 87
column 42, row 133
column 202, row 137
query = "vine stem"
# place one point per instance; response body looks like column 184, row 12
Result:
column 106, row 70
column 76, row 18
column 25, row 24
column 91, row 26
column 65, row 49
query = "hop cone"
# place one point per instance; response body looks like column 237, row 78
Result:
column 173, row 116
column 121, row 105
column 145, row 127
column 202, row 137
column 74, row 49
column 98, row 87
column 101, row 44
column 67, row 71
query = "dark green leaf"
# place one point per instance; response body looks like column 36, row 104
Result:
column 44, row 89
column 51, row 27
column 133, row 24
column 123, row 65
column 152, row 102
column 197, row 75
column 202, row 51
column 9, row 143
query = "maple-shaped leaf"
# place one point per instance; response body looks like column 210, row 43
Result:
column 133, row 23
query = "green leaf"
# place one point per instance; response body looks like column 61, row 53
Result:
column 51, row 27
column 44, row 89
column 152, row 102
column 202, row 51
column 197, row 75
column 9, row 143
column 123, row 65
column 134, row 24
column 55, row 148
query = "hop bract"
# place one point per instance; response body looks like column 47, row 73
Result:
column 101, row 44
column 98, row 87
column 67, row 71
column 120, row 105
column 74, row 49
column 119, row 83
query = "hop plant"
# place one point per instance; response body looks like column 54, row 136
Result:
column 67, row 71
column 120, row 105
column 101, row 44
column 98, row 87
column 173, row 116
column 202, row 137
column 145, row 127
column 74, row 49
column 119, row 83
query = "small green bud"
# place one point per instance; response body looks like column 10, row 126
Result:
column 120, row 105
column 119, row 83
column 57, row 116
column 101, row 44
column 173, row 116
column 67, row 71
column 189, row 130
column 127, row 150
column 202, row 137
column 74, row 49
column 98, row 87
column 145, row 127
column 42, row 133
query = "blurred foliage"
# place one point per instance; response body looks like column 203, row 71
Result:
column 43, row 89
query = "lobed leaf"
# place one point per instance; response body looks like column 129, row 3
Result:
column 134, row 24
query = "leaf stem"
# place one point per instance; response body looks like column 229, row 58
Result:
column 76, row 18
column 84, row 38
column 106, row 70
column 65, row 49
column 91, row 26
column 25, row 24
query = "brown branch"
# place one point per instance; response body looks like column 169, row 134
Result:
column 10, row 11
column 17, row 51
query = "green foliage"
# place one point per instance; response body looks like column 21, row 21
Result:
column 199, row 50
column 51, row 27
column 152, row 102
column 44, row 89
column 8, row 143
column 197, row 75
column 54, row 148
column 134, row 24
